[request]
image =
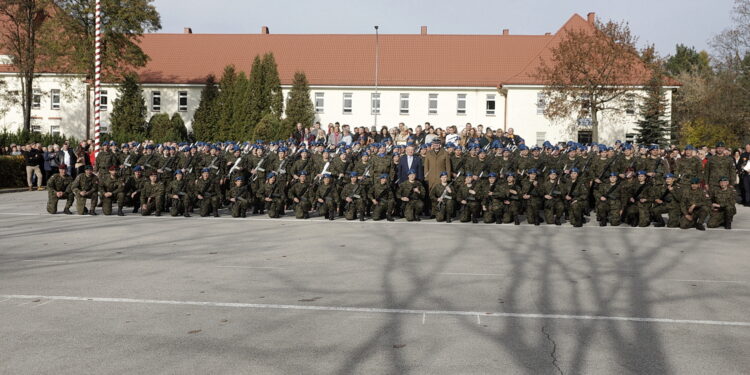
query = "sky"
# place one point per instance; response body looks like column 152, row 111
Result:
column 664, row 23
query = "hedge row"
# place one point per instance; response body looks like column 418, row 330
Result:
column 21, row 137
column 12, row 172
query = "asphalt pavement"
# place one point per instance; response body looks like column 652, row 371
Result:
column 153, row 295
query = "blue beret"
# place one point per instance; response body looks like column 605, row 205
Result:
column 384, row 175
column 690, row 147
column 553, row 171
column 138, row 168
column 492, row 174
column 653, row 147
column 641, row 173
column 238, row 178
column 326, row 175
column 523, row 147
column 353, row 174
column 469, row 174
column 411, row 171
column 443, row 173
column 669, row 175
column 304, row 150
column 125, row 145
column 365, row 154
column 628, row 146
column 205, row 170
column 270, row 175
column 510, row 174
column 302, row 173
column 533, row 171
column 179, row 171
column 450, row 145
column 576, row 170
column 695, row 180
column 150, row 147
column 612, row 174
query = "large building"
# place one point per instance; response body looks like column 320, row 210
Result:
column 442, row 79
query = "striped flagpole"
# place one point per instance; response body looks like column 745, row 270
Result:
column 97, row 76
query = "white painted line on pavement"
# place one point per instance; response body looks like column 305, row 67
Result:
column 709, row 281
column 42, row 304
column 424, row 316
column 470, row 274
column 253, row 268
column 45, row 261
column 377, row 310
column 344, row 221
column 7, row 299
column 478, row 321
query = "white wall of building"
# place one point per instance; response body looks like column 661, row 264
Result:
column 523, row 114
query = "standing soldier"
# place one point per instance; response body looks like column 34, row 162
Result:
column 689, row 166
column 695, row 206
column 58, row 188
column 152, row 195
column 411, row 192
column 178, row 191
column 104, row 159
column 86, row 186
column 719, row 165
column 723, row 202
column 327, row 196
column 382, row 199
column 207, row 193
column 239, row 197
column 352, row 197
column 110, row 187
column 443, row 204
column 609, row 198
column 531, row 195
column 553, row 204
column 300, row 194
column 272, row 195
column 666, row 200
column 471, row 208
column 576, row 197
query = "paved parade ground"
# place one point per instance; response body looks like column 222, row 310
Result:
column 143, row 295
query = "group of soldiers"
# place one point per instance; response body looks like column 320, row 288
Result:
column 492, row 184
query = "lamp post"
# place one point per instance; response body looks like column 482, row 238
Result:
column 97, row 76
column 377, row 68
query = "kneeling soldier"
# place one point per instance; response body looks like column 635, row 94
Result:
column 300, row 194
column 352, row 194
column 443, row 205
column 272, row 195
column 411, row 193
column 110, row 187
column 576, row 196
column 722, row 207
column 85, row 187
column 327, row 196
column 239, row 197
column 152, row 195
column 471, row 208
column 382, row 199
column 58, row 187
column 178, row 192
column 695, row 205
column 207, row 193
column 609, row 197
column 666, row 201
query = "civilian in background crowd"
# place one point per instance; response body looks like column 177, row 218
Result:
column 34, row 158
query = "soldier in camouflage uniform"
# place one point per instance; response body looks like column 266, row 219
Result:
column 609, row 201
column 509, row 193
column 689, row 166
column 666, row 200
column 110, row 186
column 382, row 199
column 489, row 194
column 272, row 195
column 443, row 202
column 132, row 189
column 723, row 202
column 531, row 195
column 206, row 192
column 58, row 187
column 239, row 197
column 105, row 159
column 638, row 207
column 695, row 205
column 86, row 186
column 411, row 192
column 576, row 196
column 301, row 194
column 719, row 165
column 553, row 199
column 152, row 195
column 467, row 196
column 178, row 191
column 353, row 198
column 327, row 197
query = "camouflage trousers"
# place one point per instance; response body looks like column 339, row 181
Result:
column 81, row 202
column 354, row 209
column 699, row 217
column 671, row 209
column 153, row 204
column 412, row 209
column 53, row 199
column 302, row 209
column 445, row 210
column 239, row 208
column 609, row 210
column 553, row 208
column 383, row 209
column 721, row 216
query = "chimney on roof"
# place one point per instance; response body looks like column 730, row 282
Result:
column 264, row 30
column 423, row 30
column 187, row 30
column 506, row 31
column 591, row 17
column 547, row 34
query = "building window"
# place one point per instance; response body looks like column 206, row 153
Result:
column 375, row 103
column 36, row 99
column 432, row 104
column 103, row 100
column 155, row 101
column 347, row 103
column 541, row 103
column 461, row 105
column 404, row 104
column 319, row 102
column 540, row 138
column 36, row 125
column 54, row 130
column 55, row 98
column 490, row 107
column 182, row 101
column 630, row 137
column 630, row 105
column 585, row 136
column 103, row 128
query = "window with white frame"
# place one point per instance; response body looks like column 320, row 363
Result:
column 403, row 107
column 347, row 103
column 490, row 106
column 540, row 138
column 155, row 101
column 432, row 104
column 461, row 104
column 36, row 125
column 103, row 100
column 54, row 129
column 630, row 105
column 55, row 98
column 319, row 102
column 182, row 101
column 36, row 99
column 375, row 103
column 103, row 128
column 541, row 103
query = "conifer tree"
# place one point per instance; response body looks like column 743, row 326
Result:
column 128, row 119
column 205, row 117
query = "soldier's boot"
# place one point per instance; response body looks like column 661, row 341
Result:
column 93, row 211
column 85, row 210
column 517, row 220
column 699, row 226
column 67, row 210
column 158, row 213
column 499, row 219
column 243, row 213
column 188, row 210
column 602, row 222
column 331, row 215
column 389, row 217
column 135, row 208
column 728, row 224
column 660, row 223
column 362, row 216
column 216, row 211
column 557, row 220
column 119, row 211
column 448, row 218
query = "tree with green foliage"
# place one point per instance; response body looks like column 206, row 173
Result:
column 128, row 118
column 687, row 59
column 268, row 128
column 227, row 94
column 206, row 115
column 264, row 90
column 653, row 127
column 160, row 128
column 299, row 107
column 179, row 129
column 272, row 86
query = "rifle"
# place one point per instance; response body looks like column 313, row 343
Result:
column 125, row 164
column 325, row 170
column 444, row 196
column 382, row 193
column 189, row 162
column 259, row 167
column 235, row 166
column 555, row 192
column 611, row 190
column 352, row 196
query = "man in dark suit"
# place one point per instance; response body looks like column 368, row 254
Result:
column 407, row 162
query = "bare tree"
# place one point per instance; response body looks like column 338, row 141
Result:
column 20, row 37
column 589, row 71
